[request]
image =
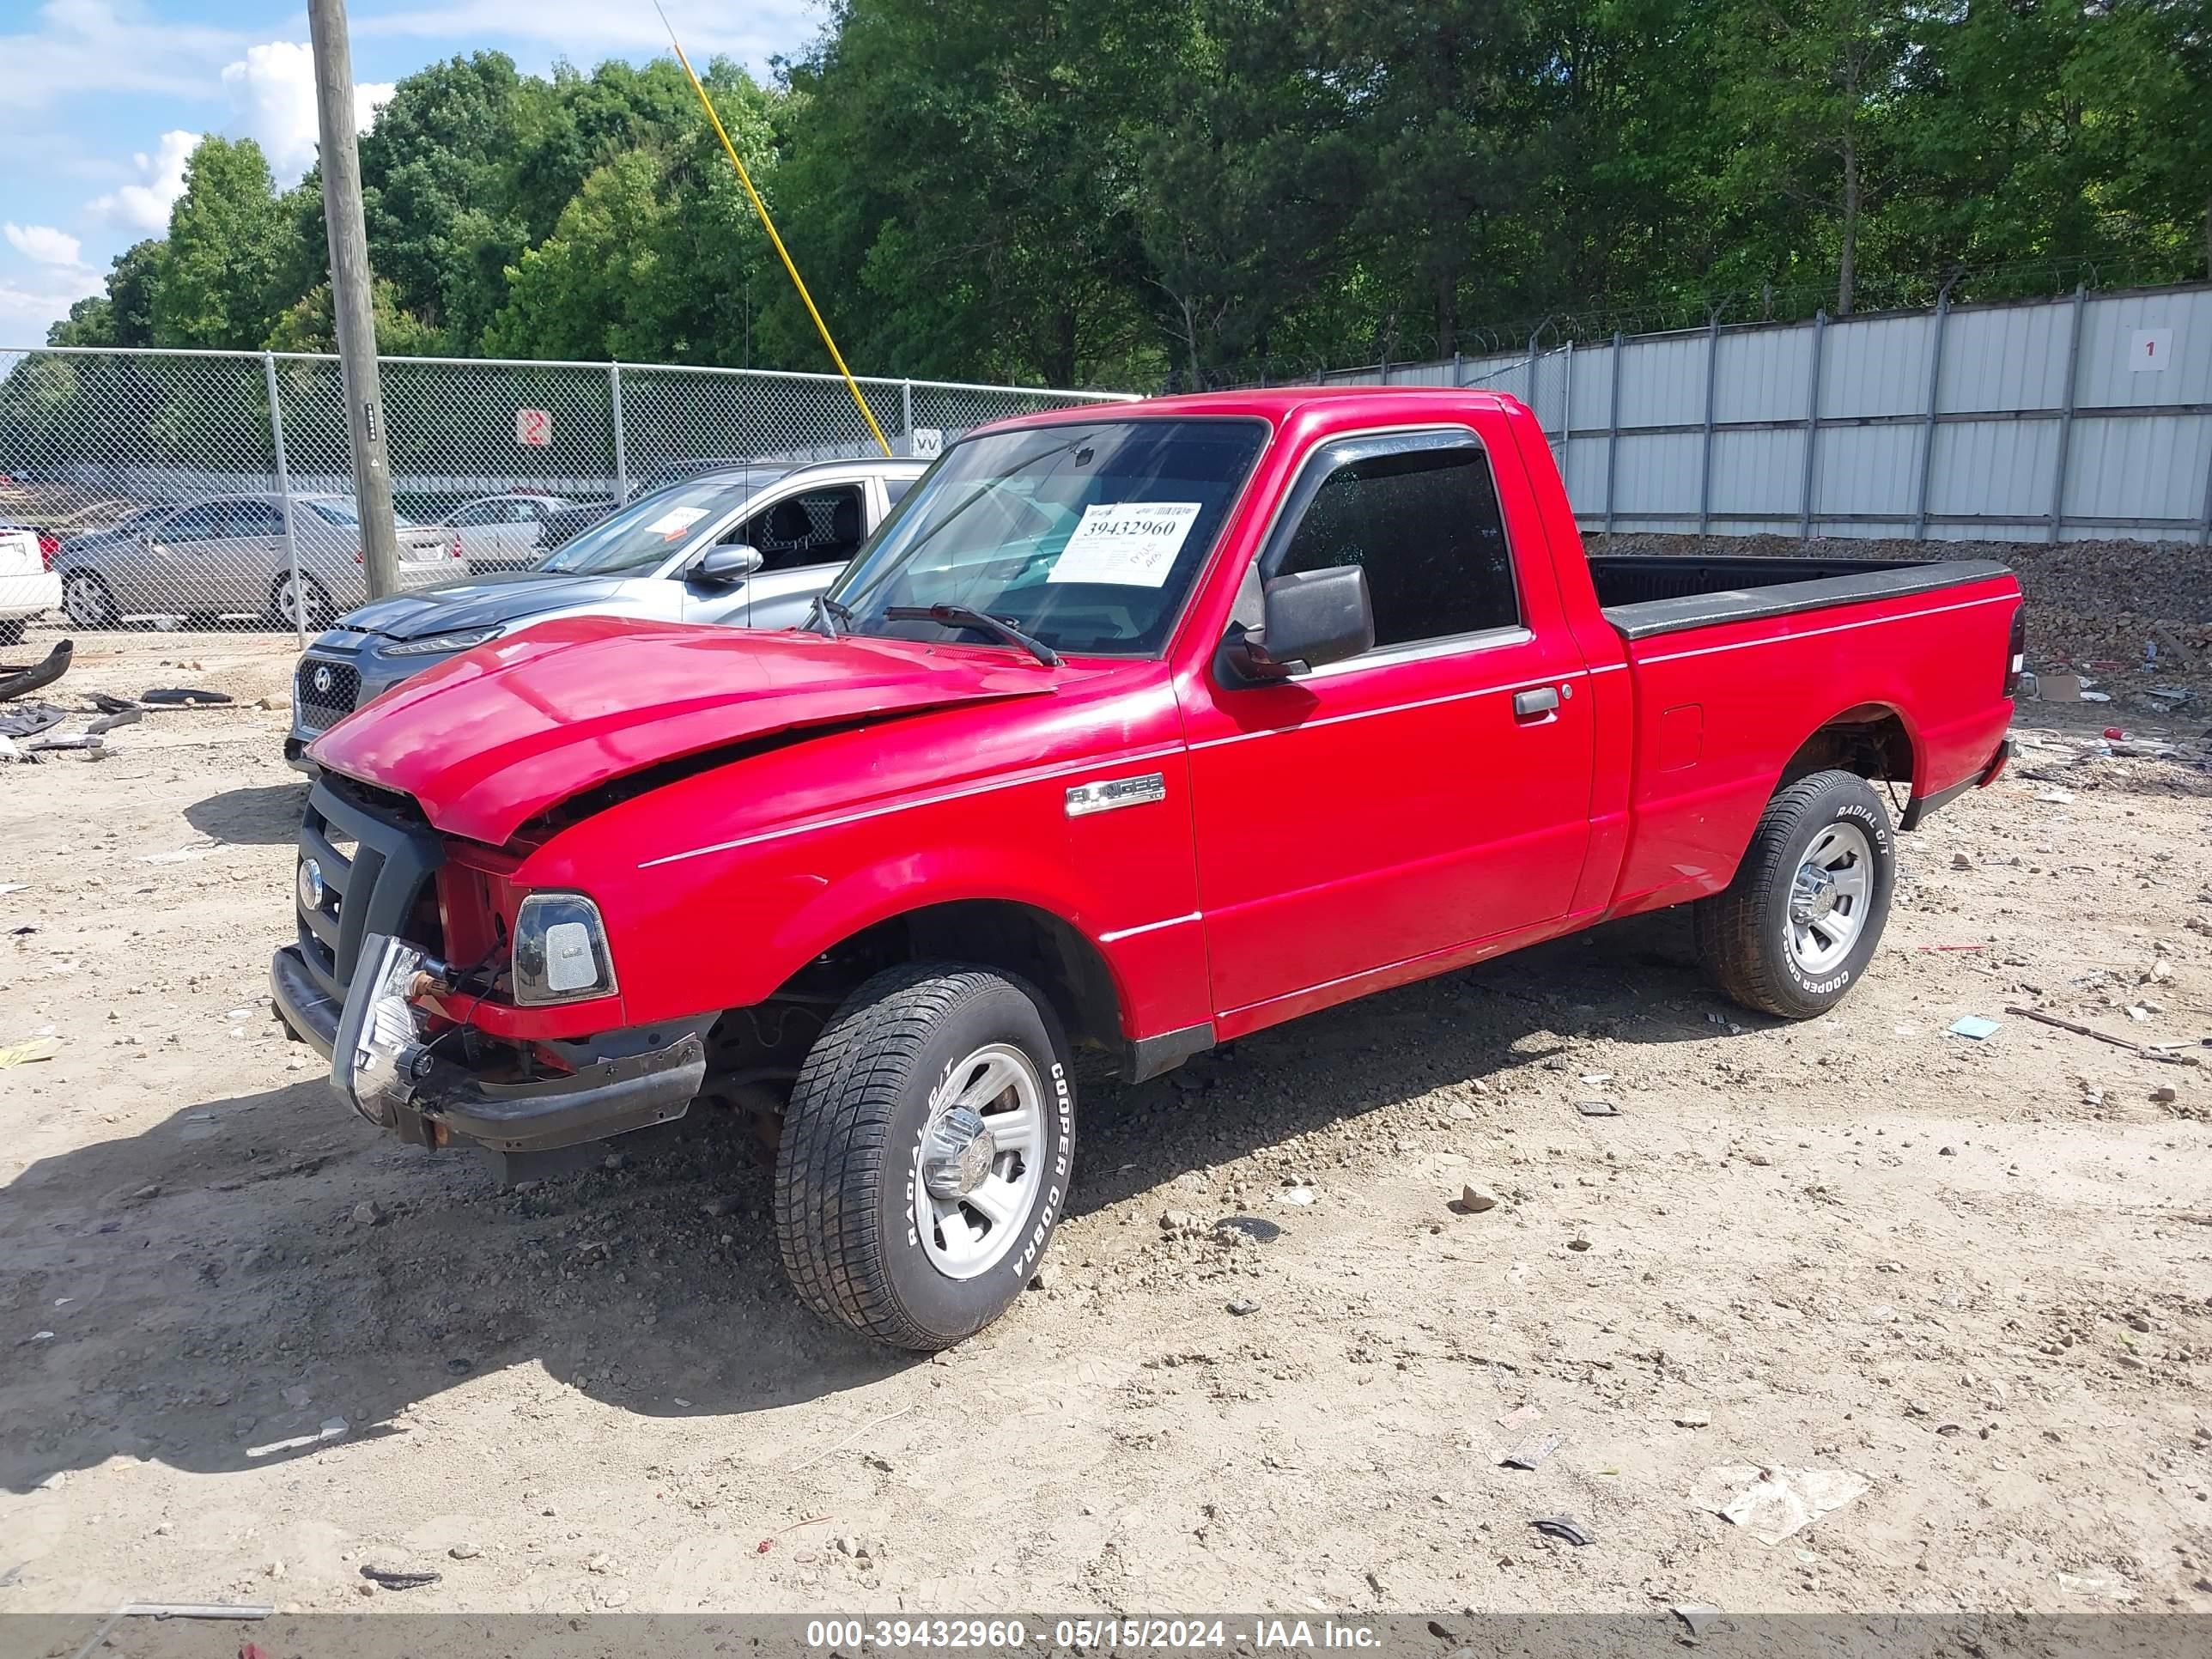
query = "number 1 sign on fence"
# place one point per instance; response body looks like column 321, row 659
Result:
column 533, row 427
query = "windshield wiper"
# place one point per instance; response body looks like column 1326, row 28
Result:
column 831, row 613
column 967, row 616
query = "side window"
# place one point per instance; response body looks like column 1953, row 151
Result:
column 469, row 517
column 202, row 523
column 253, row 519
column 520, row 511
column 822, row 526
column 895, row 490
column 1424, row 522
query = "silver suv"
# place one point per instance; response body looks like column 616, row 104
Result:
column 749, row 547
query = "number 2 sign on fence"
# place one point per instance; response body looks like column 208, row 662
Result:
column 533, row 427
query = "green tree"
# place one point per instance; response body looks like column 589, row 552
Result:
column 310, row 324
column 590, row 289
column 217, row 280
column 437, row 194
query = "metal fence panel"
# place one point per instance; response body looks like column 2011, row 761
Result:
column 1956, row 424
column 155, row 475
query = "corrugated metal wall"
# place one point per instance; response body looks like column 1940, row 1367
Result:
column 2085, row 416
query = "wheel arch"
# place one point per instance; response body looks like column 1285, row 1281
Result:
column 1873, row 740
column 1014, row 935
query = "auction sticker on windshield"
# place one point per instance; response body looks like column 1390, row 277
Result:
column 674, row 522
column 1132, row 542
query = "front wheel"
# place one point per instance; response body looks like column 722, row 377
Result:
column 926, row 1153
column 1797, row 927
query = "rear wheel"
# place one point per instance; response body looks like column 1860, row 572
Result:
column 926, row 1154
column 1797, row 927
column 87, row 601
column 300, row 602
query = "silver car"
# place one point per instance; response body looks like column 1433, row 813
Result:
column 227, row 555
column 747, row 547
column 503, row 532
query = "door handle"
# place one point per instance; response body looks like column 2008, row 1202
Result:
column 1542, row 700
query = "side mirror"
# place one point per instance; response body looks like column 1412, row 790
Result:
column 1313, row 617
column 727, row 566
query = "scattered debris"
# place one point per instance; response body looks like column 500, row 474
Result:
column 38, row 675
column 392, row 1579
column 465, row 1551
column 333, row 1428
column 1693, row 1420
column 2142, row 1050
column 1532, row 1451
column 864, row 1428
column 1518, row 1416
column 1697, row 1618
column 1954, row 947
column 23, row 1053
column 1578, row 1244
column 1242, row 1305
column 183, row 696
column 1563, row 1526
column 1597, row 1109
column 1299, row 1195
column 366, row 1213
column 169, row 1610
column 1777, row 1502
column 2055, row 797
column 31, row 719
column 1475, row 1199
column 1978, row 1027
column 109, row 722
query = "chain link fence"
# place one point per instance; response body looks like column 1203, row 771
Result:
column 214, row 488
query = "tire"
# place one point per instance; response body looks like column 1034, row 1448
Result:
column 319, row 609
column 1775, row 949
column 851, row 1183
column 88, row 602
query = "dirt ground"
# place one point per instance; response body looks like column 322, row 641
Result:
column 1978, row 1274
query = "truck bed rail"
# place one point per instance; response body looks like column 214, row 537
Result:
column 1643, row 598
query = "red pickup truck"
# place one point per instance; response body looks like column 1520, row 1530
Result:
column 1131, row 731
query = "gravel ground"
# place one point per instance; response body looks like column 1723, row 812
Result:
column 247, row 1347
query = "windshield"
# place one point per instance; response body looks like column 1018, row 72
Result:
column 642, row 534
column 1086, row 537
column 340, row 510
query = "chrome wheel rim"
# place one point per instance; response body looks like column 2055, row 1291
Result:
column 979, row 1164
column 290, row 605
column 86, row 601
column 1829, row 898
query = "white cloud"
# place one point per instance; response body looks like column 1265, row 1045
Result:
column 588, row 28
column 43, row 245
column 272, row 100
column 144, row 206
column 106, row 47
column 26, row 314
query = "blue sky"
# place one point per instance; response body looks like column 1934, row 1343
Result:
column 101, row 100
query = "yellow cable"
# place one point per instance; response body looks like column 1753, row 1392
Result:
column 769, row 225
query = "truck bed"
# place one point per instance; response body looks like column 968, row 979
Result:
column 1643, row 597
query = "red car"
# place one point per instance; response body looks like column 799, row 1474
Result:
column 1134, row 730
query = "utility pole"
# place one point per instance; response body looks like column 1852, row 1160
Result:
column 351, row 298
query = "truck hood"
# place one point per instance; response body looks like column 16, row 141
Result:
column 487, row 741
column 489, row 601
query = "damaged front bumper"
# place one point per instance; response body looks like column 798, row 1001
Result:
column 403, row 1078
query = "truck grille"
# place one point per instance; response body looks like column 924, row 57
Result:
column 325, row 691
column 378, row 877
